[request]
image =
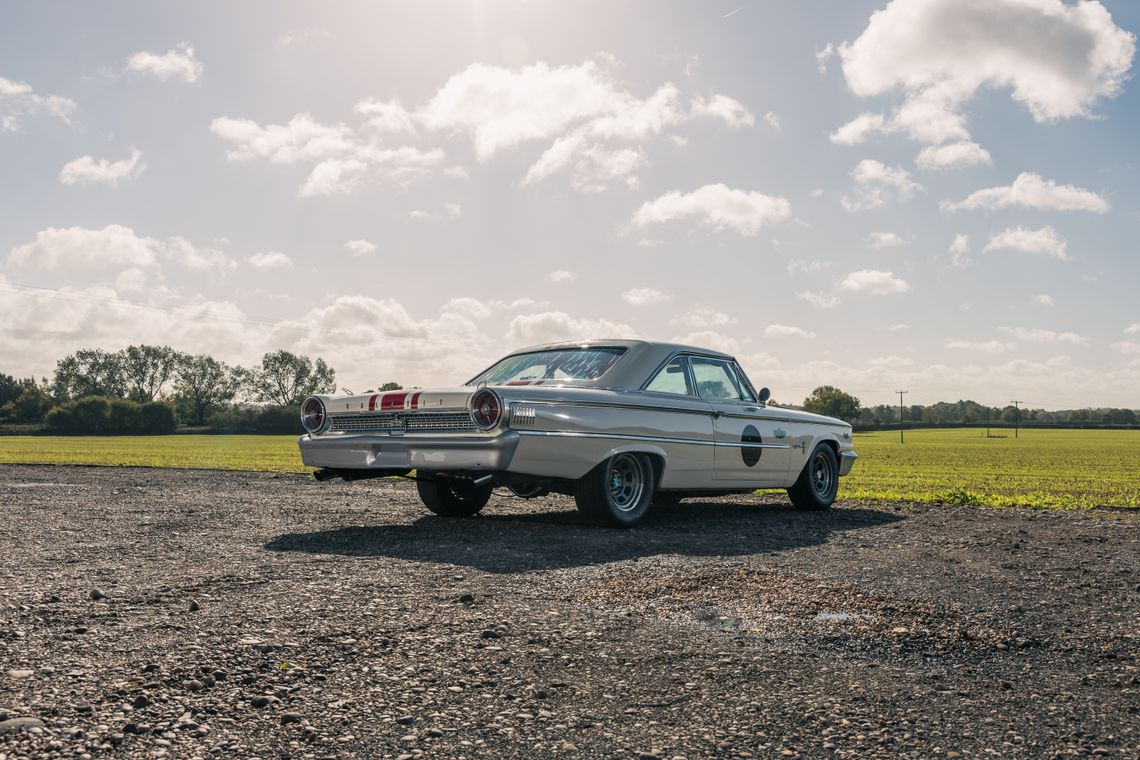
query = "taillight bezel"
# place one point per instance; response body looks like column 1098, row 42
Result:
column 476, row 409
column 314, row 420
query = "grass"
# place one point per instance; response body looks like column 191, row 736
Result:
column 1042, row 468
column 276, row 453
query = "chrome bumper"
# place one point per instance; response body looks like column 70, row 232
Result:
column 491, row 453
column 846, row 461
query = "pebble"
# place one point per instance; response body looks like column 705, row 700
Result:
column 290, row 717
column 95, row 595
column 260, row 701
column 21, row 724
column 195, row 685
column 21, row 673
column 193, row 606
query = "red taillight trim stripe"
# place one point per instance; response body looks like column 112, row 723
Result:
column 392, row 401
column 416, row 400
column 372, row 402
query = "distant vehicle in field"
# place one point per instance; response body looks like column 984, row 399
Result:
column 617, row 424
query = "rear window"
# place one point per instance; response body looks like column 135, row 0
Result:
column 559, row 364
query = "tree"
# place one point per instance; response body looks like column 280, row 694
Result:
column 146, row 369
column 390, row 386
column 829, row 400
column 89, row 372
column 288, row 379
column 203, row 384
column 9, row 389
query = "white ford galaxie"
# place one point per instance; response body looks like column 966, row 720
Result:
column 617, row 424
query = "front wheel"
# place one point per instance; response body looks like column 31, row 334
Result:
column 819, row 482
column 452, row 497
column 618, row 491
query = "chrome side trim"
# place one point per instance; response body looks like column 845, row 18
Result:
column 655, row 439
column 846, row 461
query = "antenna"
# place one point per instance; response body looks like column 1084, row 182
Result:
column 901, row 440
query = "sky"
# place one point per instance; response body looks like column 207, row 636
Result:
column 937, row 196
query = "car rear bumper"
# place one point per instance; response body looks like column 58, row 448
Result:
column 491, row 453
column 846, row 461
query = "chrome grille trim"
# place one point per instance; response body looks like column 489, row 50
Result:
column 382, row 422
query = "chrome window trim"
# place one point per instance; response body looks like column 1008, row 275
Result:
column 622, row 351
column 655, row 439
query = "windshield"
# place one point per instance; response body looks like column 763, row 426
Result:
column 559, row 364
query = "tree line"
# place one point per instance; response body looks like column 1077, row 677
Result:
column 834, row 402
column 151, row 389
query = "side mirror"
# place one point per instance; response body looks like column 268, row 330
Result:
column 765, row 394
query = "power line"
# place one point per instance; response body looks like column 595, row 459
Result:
column 1016, row 417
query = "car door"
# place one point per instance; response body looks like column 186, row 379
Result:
column 752, row 447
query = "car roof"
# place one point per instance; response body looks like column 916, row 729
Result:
column 641, row 358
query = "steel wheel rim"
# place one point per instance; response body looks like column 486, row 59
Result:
column 625, row 482
column 822, row 477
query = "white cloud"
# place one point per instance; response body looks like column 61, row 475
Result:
column 385, row 115
column 1133, row 329
column 960, row 251
column 1043, row 299
column 1127, row 347
column 1036, row 335
column 303, row 36
column 703, row 316
column 940, row 53
column 1044, row 240
column 795, row 266
column 787, row 331
column 989, row 346
column 822, row 300
column 450, row 211
column 580, row 108
column 179, row 63
column 113, row 246
column 333, row 176
column 955, row 155
column 823, row 57
column 876, row 184
column 344, row 159
column 874, row 281
column 859, row 129
column 595, row 130
column 302, row 139
column 891, row 361
column 898, row 327
column 269, row 260
column 886, row 240
column 1029, row 190
column 360, row 247
column 86, row 170
column 772, row 119
column 18, row 101
column 716, row 207
column 547, row 327
column 476, row 309
column 709, row 339
column 561, row 275
column 644, row 296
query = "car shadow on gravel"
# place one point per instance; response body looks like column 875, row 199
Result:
column 512, row 543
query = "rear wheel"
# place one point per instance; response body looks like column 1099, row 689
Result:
column 452, row 497
column 819, row 482
column 618, row 491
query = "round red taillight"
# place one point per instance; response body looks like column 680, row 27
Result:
column 313, row 414
column 486, row 409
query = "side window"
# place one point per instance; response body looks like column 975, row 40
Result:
column 715, row 379
column 743, row 381
column 672, row 378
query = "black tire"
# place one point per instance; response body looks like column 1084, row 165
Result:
column 452, row 497
column 618, row 491
column 817, row 485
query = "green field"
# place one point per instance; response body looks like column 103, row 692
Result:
column 1042, row 468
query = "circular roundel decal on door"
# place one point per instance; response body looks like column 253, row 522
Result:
column 749, row 454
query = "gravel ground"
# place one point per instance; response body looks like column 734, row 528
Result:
column 199, row 614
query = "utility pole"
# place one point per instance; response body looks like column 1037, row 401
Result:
column 901, row 440
column 1016, row 416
